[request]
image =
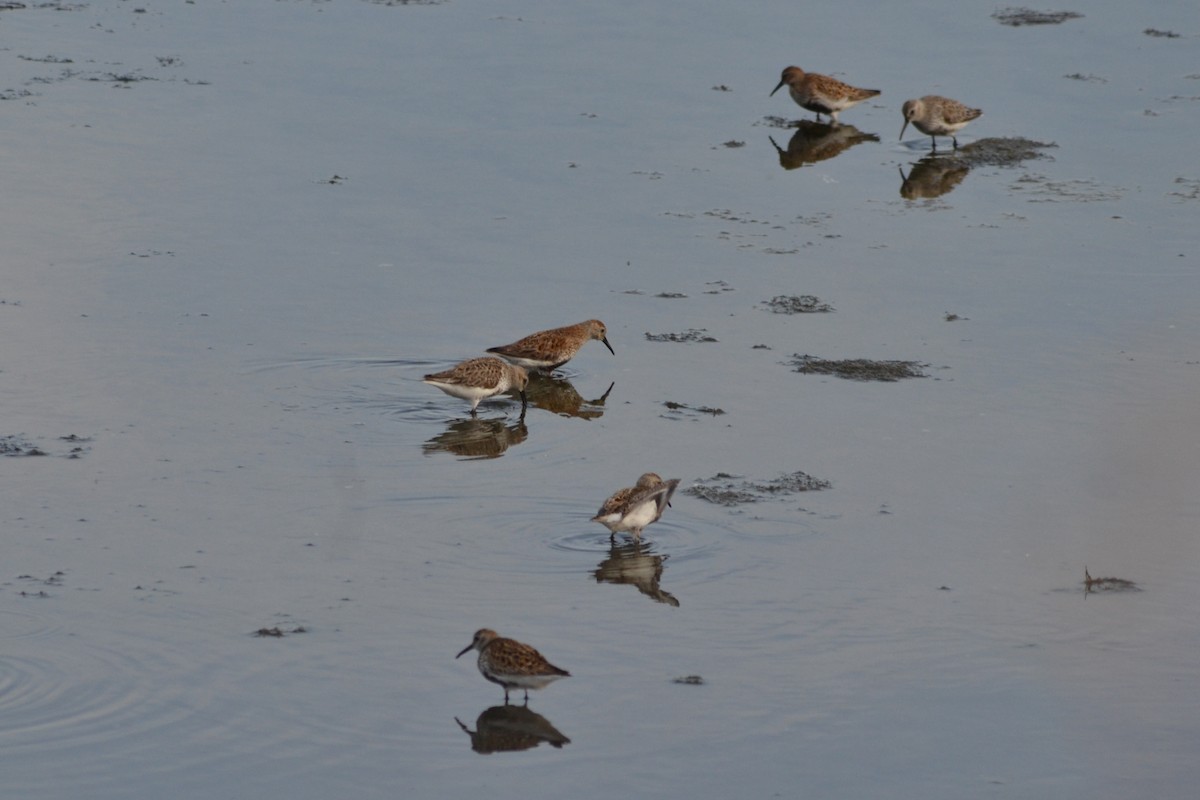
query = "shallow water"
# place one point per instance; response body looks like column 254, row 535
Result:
column 238, row 235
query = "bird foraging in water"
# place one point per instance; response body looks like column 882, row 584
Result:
column 633, row 508
column 480, row 378
column 550, row 349
column 821, row 94
column 934, row 115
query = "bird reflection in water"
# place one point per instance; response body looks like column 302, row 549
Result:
column 933, row 176
column 816, row 141
column 507, row 729
column 558, row 396
column 478, row 438
column 636, row 564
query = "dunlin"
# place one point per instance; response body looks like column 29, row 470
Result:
column 549, row 350
column 821, row 93
column 935, row 116
column 512, row 664
column 635, row 507
column 480, row 378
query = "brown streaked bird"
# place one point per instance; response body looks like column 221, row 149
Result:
column 480, row 378
column 934, row 116
column 820, row 93
column 633, row 508
column 550, row 349
column 512, row 664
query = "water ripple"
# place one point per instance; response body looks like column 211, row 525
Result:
column 76, row 702
column 153, row 707
column 19, row 625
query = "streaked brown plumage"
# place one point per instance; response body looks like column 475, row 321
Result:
column 550, row 349
column 633, row 508
column 821, row 94
column 480, row 378
column 512, row 664
column 934, row 115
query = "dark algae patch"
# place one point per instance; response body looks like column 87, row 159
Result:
column 55, row 581
column 1189, row 189
column 14, row 446
column 1001, row 151
column 691, row 335
column 1016, row 17
column 706, row 410
column 728, row 490
column 797, row 304
column 778, row 122
column 859, row 369
column 407, row 2
column 278, row 633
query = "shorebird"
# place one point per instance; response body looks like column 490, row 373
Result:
column 934, row 116
column 633, row 508
column 821, row 93
column 480, row 378
column 548, row 350
column 512, row 664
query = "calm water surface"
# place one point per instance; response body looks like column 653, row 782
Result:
column 238, row 234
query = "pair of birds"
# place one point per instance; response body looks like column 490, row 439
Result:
column 516, row 665
column 480, row 378
column 933, row 115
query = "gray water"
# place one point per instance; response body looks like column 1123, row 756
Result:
column 238, row 234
